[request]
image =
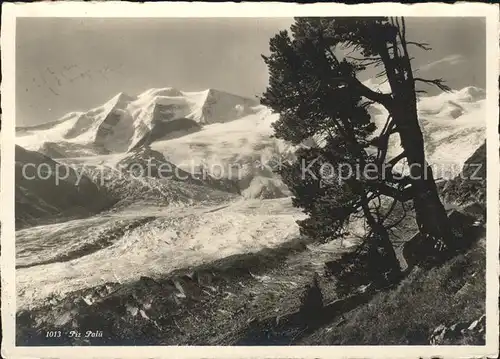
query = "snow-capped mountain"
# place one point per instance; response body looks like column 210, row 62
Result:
column 189, row 129
column 125, row 122
column 453, row 124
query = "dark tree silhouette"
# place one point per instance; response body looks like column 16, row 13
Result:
column 317, row 94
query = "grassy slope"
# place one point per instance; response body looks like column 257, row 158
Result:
column 452, row 293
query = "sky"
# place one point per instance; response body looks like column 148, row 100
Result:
column 75, row 64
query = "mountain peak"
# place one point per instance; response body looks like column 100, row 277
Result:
column 162, row 91
column 471, row 94
column 122, row 96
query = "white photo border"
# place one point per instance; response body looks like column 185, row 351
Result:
column 11, row 11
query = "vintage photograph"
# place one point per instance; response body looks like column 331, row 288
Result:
column 257, row 181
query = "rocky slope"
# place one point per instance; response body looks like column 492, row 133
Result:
column 46, row 191
column 469, row 186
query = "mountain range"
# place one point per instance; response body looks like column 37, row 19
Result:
column 232, row 134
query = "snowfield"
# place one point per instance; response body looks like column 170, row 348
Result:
column 453, row 125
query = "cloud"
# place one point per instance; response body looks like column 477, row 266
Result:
column 450, row 60
column 382, row 85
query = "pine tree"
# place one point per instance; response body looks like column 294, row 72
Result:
column 318, row 94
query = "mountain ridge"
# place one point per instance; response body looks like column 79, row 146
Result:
column 124, row 120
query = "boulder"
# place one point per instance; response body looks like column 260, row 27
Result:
column 472, row 333
column 477, row 210
column 460, row 222
column 416, row 250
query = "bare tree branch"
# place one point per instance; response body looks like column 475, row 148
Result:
column 422, row 45
column 404, row 29
column 436, row 82
column 396, row 223
column 396, row 159
column 402, row 195
column 389, row 211
column 363, row 58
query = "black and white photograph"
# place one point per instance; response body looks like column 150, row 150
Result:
column 258, row 181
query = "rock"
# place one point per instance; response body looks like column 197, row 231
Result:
column 416, row 250
column 463, row 291
column 479, row 324
column 143, row 314
column 460, row 332
column 63, row 319
column 477, row 210
column 437, row 335
column 460, row 222
column 46, row 191
column 470, row 184
column 88, row 299
column 178, row 286
column 132, row 310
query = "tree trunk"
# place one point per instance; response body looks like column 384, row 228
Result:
column 379, row 232
column 389, row 254
column 381, row 236
column 431, row 217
